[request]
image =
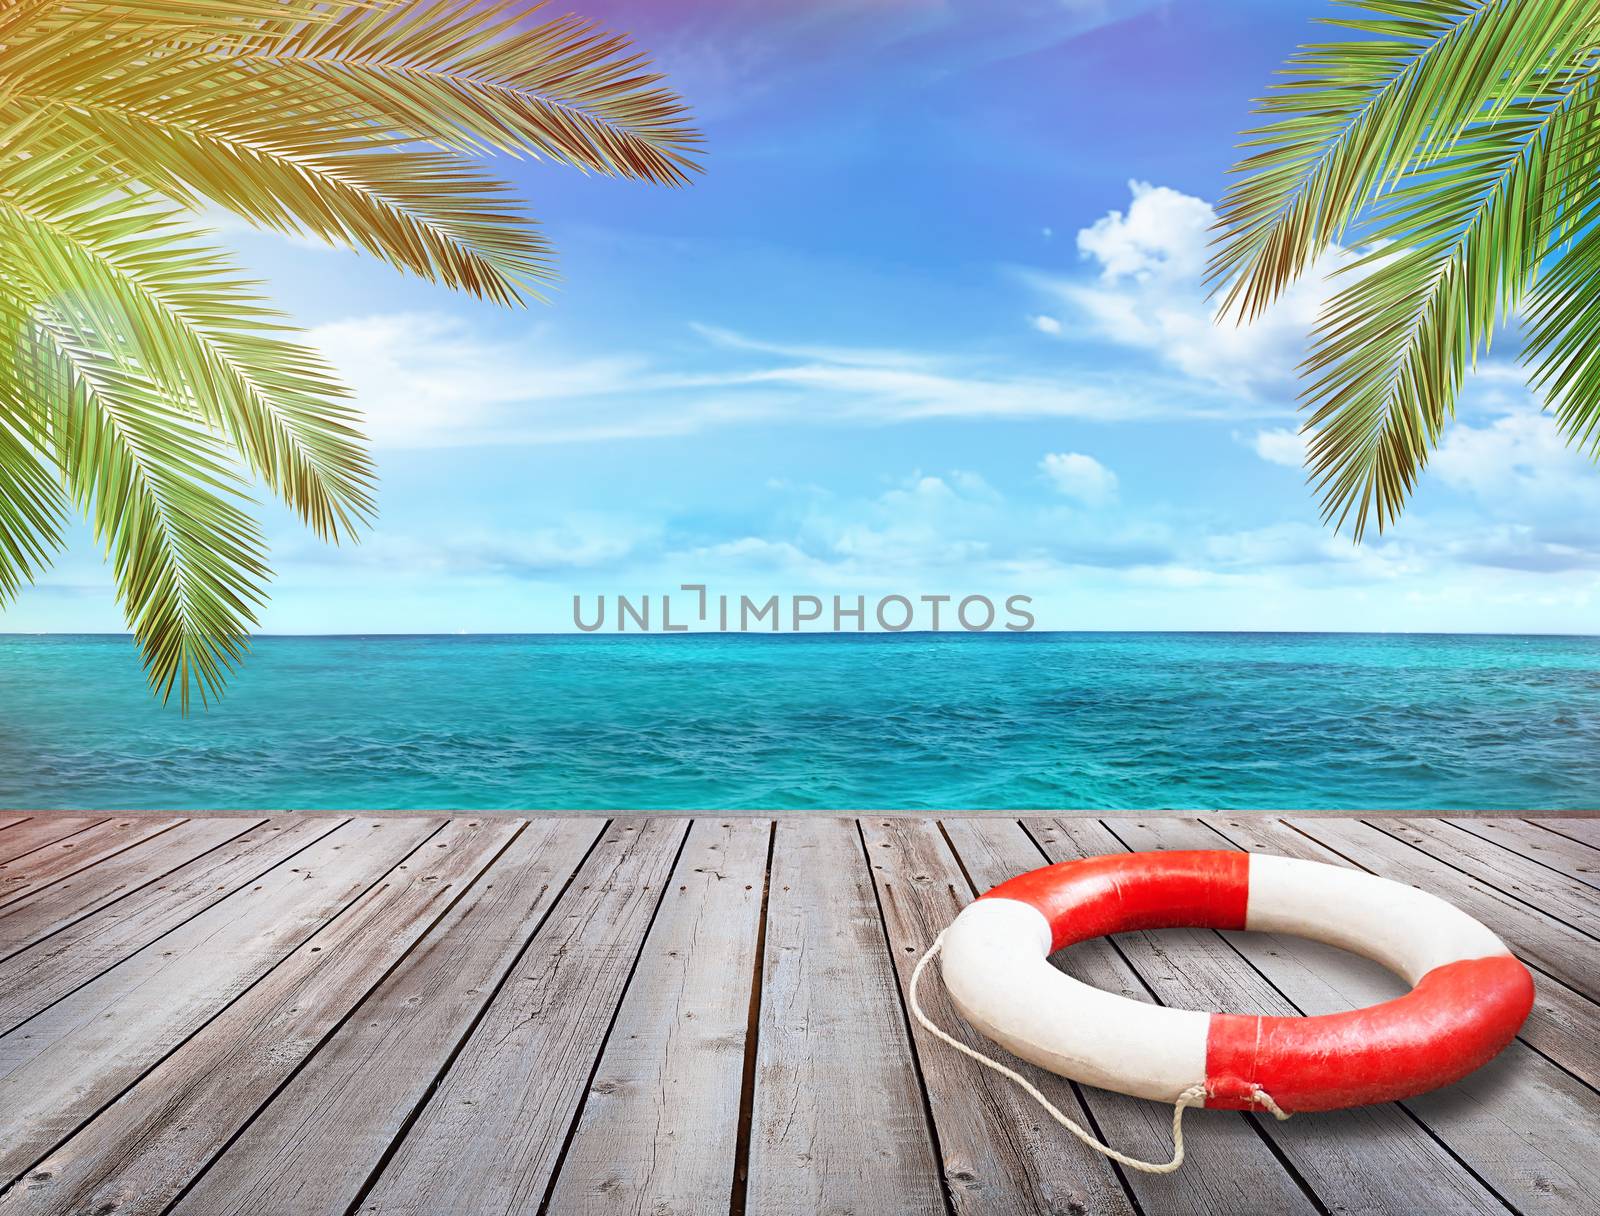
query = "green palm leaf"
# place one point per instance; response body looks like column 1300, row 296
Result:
column 1456, row 140
column 142, row 378
column 135, row 285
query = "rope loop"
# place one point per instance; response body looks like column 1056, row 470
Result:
column 1195, row 1095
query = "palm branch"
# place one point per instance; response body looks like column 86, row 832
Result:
column 1454, row 144
column 143, row 380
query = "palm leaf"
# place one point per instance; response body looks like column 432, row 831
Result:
column 135, row 284
column 33, row 510
column 1456, row 140
column 472, row 75
column 420, row 211
column 1563, row 345
column 135, row 360
column 1456, row 250
column 160, row 495
column 1354, row 116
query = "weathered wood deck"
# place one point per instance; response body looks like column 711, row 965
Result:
column 475, row 1014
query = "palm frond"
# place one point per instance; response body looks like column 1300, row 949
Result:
column 1354, row 116
column 159, row 493
column 136, row 361
column 474, row 75
column 33, row 509
column 421, row 211
column 1458, row 142
column 135, row 283
column 1563, row 343
column 1455, row 251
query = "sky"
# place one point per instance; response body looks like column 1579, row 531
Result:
column 931, row 322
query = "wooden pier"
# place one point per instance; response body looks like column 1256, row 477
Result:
column 467, row 1014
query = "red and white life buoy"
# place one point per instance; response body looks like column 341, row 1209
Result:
column 1469, row 996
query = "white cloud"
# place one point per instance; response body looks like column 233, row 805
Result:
column 1046, row 324
column 1280, row 446
column 1150, row 295
column 1520, row 460
column 927, row 521
column 1080, row 477
column 426, row 380
column 1162, row 235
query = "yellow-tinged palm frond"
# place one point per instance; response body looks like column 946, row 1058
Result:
column 158, row 491
column 474, row 75
column 33, row 511
column 1456, row 141
column 137, row 366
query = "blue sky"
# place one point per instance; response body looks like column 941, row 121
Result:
column 929, row 323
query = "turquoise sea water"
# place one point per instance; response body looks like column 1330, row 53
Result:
column 875, row 721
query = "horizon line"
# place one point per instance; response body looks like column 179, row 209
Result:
column 864, row 633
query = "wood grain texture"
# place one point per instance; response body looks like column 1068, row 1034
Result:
column 1557, row 895
column 48, row 908
column 45, row 958
column 60, row 1067
column 838, row 1124
column 134, row 1157
column 489, row 1137
column 1560, row 853
column 1001, row 1153
column 1367, row 1159
column 658, row 1128
column 43, row 829
column 1527, row 1127
column 313, row 1148
column 314, row 1015
column 1584, row 831
column 78, row 852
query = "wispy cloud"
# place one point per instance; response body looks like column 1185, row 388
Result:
column 427, row 380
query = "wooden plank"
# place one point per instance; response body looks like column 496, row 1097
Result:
column 77, row 852
column 489, row 1137
column 999, row 1154
column 135, row 1156
column 75, row 896
column 1577, row 861
column 312, row 1150
column 1526, row 1126
column 659, row 1129
column 1563, row 1020
column 11, row 821
column 1367, row 1159
column 44, row 958
column 1584, row 831
column 1554, row 894
column 43, row 829
column 1538, row 939
column 838, row 1123
column 59, row 1068
column 1228, row 1167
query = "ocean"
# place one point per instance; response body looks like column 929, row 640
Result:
column 933, row 721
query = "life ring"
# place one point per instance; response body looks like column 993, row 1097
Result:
column 1468, row 999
